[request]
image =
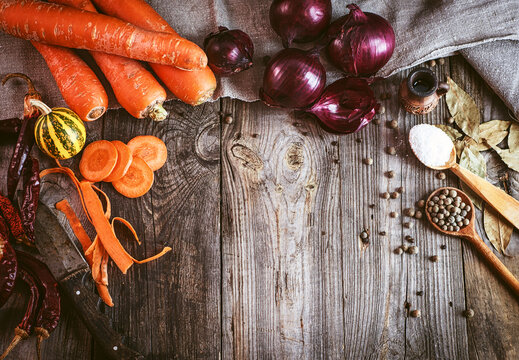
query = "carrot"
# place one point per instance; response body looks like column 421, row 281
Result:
column 137, row 181
column 98, row 160
column 124, row 160
column 79, row 86
column 65, row 26
column 192, row 87
column 86, row 243
column 151, row 149
column 134, row 87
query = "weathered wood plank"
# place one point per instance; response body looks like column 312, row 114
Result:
column 170, row 308
column 281, row 237
column 494, row 329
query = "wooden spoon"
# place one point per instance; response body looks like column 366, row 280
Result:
column 469, row 233
column 495, row 197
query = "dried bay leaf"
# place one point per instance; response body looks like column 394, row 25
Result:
column 509, row 158
column 491, row 133
column 450, row 131
column 473, row 161
column 463, row 109
column 459, row 145
column 513, row 138
column 498, row 229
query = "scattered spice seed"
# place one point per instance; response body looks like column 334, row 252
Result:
column 450, row 120
column 364, row 237
column 407, row 305
column 391, row 150
column 409, row 212
column 412, row 250
column 228, row 119
column 420, row 203
column 409, row 238
column 382, row 233
column 395, row 195
column 368, row 161
column 393, row 214
column 398, row 251
column 384, row 195
column 359, row 140
column 408, row 225
column 434, row 258
column 443, row 247
column 400, row 190
column 415, row 313
column 376, row 121
column 381, row 110
column 432, row 63
column 441, row 61
column 419, row 293
column 390, row 174
column 371, row 206
column 404, row 248
column 441, row 175
column 468, row 313
column 393, row 124
column 418, row 215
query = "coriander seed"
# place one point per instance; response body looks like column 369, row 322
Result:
column 385, row 195
column 468, row 313
column 368, row 161
column 394, row 195
column 412, row 250
column 391, row 150
column 441, row 175
column 415, row 313
column 443, row 247
column 400, row 190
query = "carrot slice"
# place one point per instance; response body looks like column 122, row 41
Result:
column 137, row 181
column 98, row 160
column 151, row 149
column 124, row 160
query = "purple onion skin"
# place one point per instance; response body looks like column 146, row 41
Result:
column 300, row 20
column 362, row 43
column 293, row 79
column 346, row 106
column 228, row 51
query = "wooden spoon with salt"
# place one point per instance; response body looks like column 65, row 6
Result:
column 492, row 195
column 469, row 233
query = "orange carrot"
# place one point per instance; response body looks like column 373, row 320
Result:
column 79, row 86
column 65, row 26
column 98, row 160
column 151, row 149
column 192, row 87
column 124, row 160
column 134, row 87
column 137, row 181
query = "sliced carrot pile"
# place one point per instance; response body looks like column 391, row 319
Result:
column 137, row 181
column 151, row 149
column 124, row 160
column 98, row 160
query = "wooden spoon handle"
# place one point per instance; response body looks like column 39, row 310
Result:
column 494, row 262
column 495, row 197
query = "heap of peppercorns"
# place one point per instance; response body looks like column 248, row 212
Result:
column 448, row 211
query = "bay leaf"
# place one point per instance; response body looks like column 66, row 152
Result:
column 491, row 133
column 473, row 161
column 459, row 145
column 509, row 158
column 450, row 131
column 463, row 109
column 498, row 229
column 513, row 138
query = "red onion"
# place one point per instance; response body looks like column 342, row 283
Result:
column 300, row 20
column 362, row 42
column 293, row 78
column 346, row 106
column 228, row 51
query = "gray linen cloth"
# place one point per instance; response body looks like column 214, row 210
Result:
column 425, row 29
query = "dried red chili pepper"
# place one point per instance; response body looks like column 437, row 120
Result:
column 25, row 136
column 24, row 328
column 8, row 264
column 50, row 310
column 12, row 217
column 31, row 196
column 10, row 126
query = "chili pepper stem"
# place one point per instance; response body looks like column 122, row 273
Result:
column 42, row 334
column 40, row 105
column 20, row 334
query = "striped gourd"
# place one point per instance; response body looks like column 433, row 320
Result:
column 59, row 132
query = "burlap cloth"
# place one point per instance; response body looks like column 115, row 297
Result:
column 425, row 29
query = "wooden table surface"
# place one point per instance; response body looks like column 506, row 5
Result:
column 264, row 216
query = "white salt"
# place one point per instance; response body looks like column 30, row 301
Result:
column 430, row 144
